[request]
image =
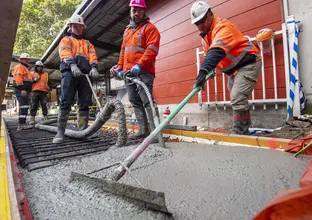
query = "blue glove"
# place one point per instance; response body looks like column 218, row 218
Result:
column 135, row 70
column 121, row 74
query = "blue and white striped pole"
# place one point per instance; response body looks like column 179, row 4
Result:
column 293, row 101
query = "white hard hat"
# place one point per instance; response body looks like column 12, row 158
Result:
column 25, row 56
column 76, row 19
column 38, row 63
column 199, row 10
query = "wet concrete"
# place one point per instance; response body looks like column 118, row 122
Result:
column 200, row 182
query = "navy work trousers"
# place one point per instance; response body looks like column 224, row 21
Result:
column 69, row 86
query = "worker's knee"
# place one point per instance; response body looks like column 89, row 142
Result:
column 239, row 101
column 136, row 103
column 84, row 103
column 84, row 107
column 66, row 105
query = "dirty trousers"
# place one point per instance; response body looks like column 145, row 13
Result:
column 137, row 95
column 240, row 88
column 69, row 86
column 38, row 96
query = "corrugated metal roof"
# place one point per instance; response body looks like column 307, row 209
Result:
column 106, row 21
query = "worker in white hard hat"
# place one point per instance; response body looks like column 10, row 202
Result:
column 227, row 49
column 78, row 58
column 40, row 91
column 22, row 85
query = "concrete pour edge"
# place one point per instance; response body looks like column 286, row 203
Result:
column 254, row 141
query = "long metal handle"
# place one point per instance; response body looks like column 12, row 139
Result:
column 120, row 171
column 95, row 97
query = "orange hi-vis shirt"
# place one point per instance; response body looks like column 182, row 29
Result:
column 140, row 46
column 21, row 75
column 40, row 82
column 223, row 34
column 79, row 51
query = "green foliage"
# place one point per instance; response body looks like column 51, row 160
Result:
column 40, row 22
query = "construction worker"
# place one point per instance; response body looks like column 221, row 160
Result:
column 137, row 58
column 22, row 84
column 40, row 91
column 78, row 59
column 227, row 49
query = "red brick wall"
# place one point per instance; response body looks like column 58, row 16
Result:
column 176, row 62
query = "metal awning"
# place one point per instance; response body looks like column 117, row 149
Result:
column 106, row 21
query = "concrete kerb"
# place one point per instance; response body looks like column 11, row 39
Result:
column 220, row 138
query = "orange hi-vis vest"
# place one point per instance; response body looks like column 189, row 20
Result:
column 21, row 75
column 40, row 82
column 77, row 51
column 140, row 46
column 223, row 34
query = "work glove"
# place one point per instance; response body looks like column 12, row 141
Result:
column 121, row 74
column 114, row 71
column 135, row 70
column 75, row 70
column 94, row 73
column 201, row 78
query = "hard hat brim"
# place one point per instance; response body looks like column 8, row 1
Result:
column 139, row 6
column 194, row 20
column 25, row 58
column 77, row 23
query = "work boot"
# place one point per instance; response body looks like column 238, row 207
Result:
column 45, row 118
column 241, row 122
column 83, row 118
column 32, row 120
column 142, row 122
column 19, row 126
column 23, row 127
column 62, row 122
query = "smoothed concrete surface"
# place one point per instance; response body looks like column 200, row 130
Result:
column 200, row 182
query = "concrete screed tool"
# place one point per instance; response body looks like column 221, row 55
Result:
column 151, row 199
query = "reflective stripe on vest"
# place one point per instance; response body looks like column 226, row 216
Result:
column 221, row 43
column 24, row 106
column 137, row 48
column 79, row 54
column 235, row 60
